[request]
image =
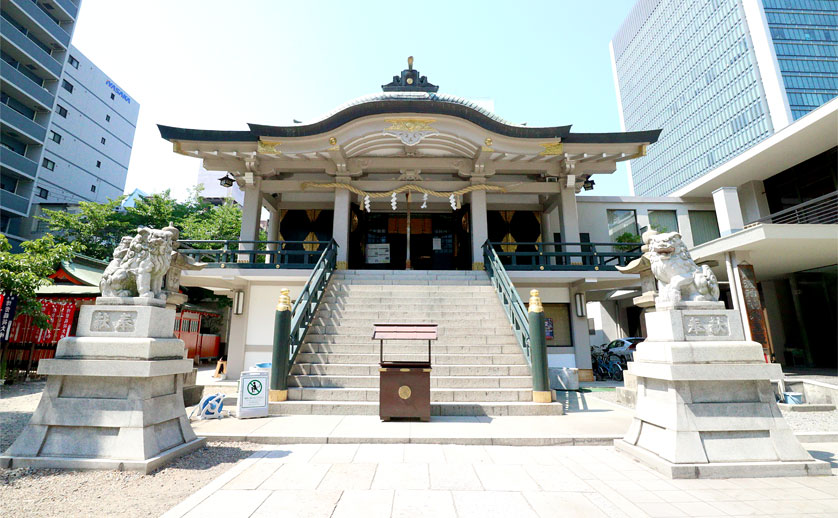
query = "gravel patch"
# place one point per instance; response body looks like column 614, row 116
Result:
column 52, row 492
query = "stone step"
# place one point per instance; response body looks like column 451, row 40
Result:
column 411, row 275
column 328, row 319
column 366, row 338
column 437, row 359
column 474, row 382
column 412, row 282
column 382, row 309
column 397, row 348
column 437, row 409
column 366, row 369
column 407, row 298
column 345, row 330
column 438, row 395
column 342, row 285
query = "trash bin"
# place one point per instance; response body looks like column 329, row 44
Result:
column 793, row 398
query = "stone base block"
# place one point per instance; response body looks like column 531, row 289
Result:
column 694, row 325
column 108, row 348
column 724, row 469
column 192, row 395
column 144, row 466
column 126, row 321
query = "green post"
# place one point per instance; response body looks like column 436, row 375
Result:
column 538, row 351
column 282, row 344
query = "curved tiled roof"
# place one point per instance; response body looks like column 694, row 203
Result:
column 406, row 102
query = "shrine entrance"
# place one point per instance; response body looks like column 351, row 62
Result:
column 438, row 241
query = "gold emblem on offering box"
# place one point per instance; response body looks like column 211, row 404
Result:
column 404, row 392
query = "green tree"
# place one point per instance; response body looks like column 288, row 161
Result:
column 94, row 229
column 23, row 273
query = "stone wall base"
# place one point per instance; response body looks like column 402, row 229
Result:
column 723, row 469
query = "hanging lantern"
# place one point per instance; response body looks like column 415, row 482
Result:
column 367, row 202
column 425, row 201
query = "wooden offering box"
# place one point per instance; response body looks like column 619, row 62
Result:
column 404, row 386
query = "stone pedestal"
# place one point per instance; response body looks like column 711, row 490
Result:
column 705, row 406
column 113, row 398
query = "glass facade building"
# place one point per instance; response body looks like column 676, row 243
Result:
column 718, row 76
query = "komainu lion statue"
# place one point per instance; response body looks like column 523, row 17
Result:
column 139, row 265
column 679, row 278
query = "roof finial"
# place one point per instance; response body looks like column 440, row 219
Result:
column 410, row 62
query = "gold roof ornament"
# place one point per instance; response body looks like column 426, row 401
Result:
column 552, row 148
column 268, row 148
column 284, row 303
column 535, row 303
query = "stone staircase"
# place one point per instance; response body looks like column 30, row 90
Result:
column 478, row 367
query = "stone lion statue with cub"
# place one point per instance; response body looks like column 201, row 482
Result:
column 679, row 278
column 140, row 264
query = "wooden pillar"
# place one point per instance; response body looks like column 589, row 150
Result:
column 479, row 228
column 340, row 227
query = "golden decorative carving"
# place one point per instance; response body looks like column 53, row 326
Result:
column 552, row 148
column 535, row 303
column 333, row 141
column 487, row 145
column 404, row 392
column 268, row 148
column 488, row 141
column 284, row 303
column 410, row 131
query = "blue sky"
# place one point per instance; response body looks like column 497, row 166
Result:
column 221, row 64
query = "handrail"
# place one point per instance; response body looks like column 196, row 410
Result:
column 304, row 308
column 509, row 298
column 821, row 210
column 567, row 255
column 254, row 254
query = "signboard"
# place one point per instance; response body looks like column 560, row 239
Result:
column 753, row 306
column 7, row 314
column 437, row 243
column 253, row 394
column 378, row 253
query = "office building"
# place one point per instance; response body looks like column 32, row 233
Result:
column 718, row 77
column 66, row 127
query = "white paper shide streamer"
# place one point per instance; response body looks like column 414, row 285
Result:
column 424, row 200
column 453, row 201
column 393, row 201
column 367, row 203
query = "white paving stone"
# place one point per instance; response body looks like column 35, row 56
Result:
column 407, row 480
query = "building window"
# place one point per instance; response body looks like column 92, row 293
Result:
column 704, row 226
column 103, row 140
column 43, row 193
column 620, row 223
column 67, row 85
column 73, row 62
column 61, row 110
column 107, row 118
column 663, row 220
column 113, row 97
column 55, row 137
column 92, row 188
column 98, row 163
column 49, row 164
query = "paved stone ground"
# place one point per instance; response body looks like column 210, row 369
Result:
column 422, row 480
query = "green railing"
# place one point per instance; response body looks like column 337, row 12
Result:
column 291, row 323
column 303, row 310
column 560, row 256
column 255, row 254
column 509, row 298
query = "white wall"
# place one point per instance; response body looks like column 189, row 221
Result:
column 593, row 213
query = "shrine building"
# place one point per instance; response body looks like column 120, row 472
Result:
column 410, row 178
